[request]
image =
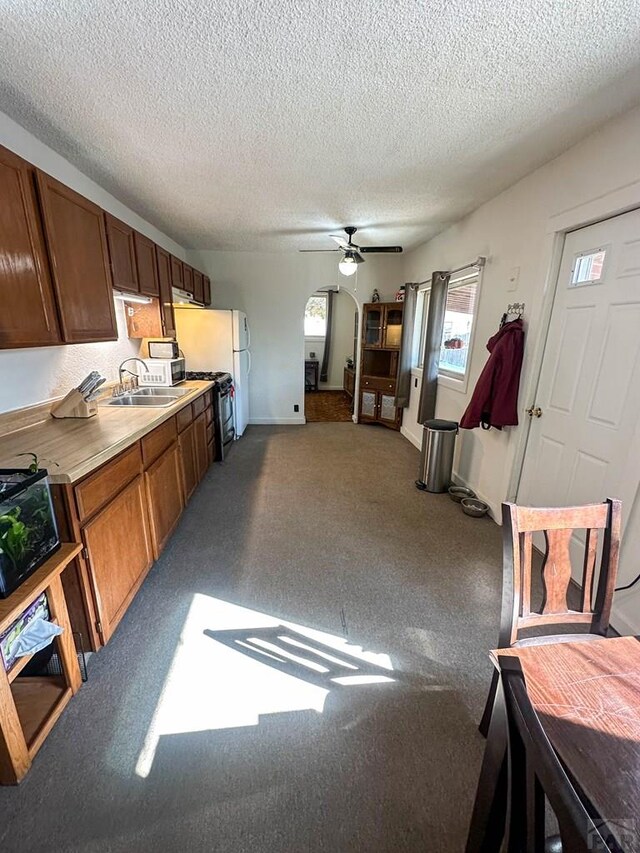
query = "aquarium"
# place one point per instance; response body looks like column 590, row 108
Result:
column 28, row 530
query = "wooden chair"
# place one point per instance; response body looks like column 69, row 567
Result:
column 558, row 525
column 536, row 775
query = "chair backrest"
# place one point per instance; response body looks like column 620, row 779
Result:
column 538, row 770
column 558, row 525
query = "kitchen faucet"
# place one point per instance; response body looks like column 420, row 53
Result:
column 121, row 388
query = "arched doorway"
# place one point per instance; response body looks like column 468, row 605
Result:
column 331, row 324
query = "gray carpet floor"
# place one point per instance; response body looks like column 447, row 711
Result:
column 177, row 743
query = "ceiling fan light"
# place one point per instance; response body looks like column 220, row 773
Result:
column 348, row 265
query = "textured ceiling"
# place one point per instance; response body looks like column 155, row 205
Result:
column 264, row 124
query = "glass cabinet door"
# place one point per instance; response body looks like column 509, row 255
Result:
column 393, row 326
column 388, row 411
column 368, row 404
column 373, row 325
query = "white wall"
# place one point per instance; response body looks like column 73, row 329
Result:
column 596, row 178
column 344, row 309
column 29, row 376
column 342, row 339
column 273, row 290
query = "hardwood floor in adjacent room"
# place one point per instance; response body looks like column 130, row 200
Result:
column 327, row 406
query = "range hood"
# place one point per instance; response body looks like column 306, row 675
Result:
column 184, row 299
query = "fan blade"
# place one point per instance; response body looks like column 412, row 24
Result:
column 341, row 241
column 318, row 250
column 395, row 249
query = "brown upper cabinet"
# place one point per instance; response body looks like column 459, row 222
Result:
column 187, row 277
column 122, row 254
column 198, row 289
column 146, row 267
column 163, row 260
column 382, row 325
column 77, row 243
column 177, row 276
column 206, row 290
column 28, row 317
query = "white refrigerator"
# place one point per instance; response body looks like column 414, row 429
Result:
column 218, row 340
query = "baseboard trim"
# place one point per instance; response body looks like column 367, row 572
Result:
column 275, row 421
column 493, row 511
column 410, row 437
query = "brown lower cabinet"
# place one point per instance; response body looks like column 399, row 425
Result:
column 118, row 552
column 164, row 496
column 202, row 456
column 124, row 513
column 378, row 407
column 187, row 444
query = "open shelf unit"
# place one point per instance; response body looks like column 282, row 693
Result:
column 30, row 706
column 39, row 702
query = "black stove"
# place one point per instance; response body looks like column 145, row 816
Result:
column 218, row 376
column 223, row 420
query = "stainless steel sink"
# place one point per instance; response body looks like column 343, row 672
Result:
column 175, row 393
column 135, row 400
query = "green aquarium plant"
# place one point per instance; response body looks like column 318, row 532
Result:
column 14, row 536
column 34, row 467
column 28, row 530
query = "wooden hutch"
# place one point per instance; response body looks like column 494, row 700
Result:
column 380, row 362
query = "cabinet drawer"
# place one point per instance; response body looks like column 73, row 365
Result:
column 184, row 417
column 101, row 486
column 208, row 399
column 378, row 383
column 158, row 441
column 198, row 406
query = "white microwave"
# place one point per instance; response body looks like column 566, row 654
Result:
column 163, row 372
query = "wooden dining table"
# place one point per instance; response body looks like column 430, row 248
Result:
column 587, row 696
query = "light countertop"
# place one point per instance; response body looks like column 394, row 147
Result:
column 79, row 446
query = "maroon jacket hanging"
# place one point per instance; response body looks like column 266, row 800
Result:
column 495, row 399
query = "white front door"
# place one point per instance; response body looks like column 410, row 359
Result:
column 585, row 446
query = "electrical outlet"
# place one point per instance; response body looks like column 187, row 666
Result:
column 296, row 407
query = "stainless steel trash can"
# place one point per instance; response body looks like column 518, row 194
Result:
column 436, row 460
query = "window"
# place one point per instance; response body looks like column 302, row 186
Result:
column 420, row 328
column 315, row 316
column 457, row 333
column 588, row 268
column 458, row 325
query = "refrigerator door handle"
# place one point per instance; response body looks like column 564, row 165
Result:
column 248, row 328
column 250, row 362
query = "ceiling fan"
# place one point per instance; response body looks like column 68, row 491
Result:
column 352, row 254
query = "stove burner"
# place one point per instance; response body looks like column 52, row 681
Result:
column 208, row 376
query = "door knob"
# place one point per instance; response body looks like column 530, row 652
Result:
column 534, row 412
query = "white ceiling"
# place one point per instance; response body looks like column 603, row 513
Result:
column 265, row 124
